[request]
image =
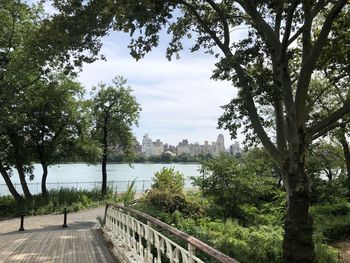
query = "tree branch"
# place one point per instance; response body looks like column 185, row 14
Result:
column 317, row 8
column 223, row 20
column 311, row 59
column 288, row 25
column 270, row 36
column 205, row 26
column 329, row 122
column 254, row 117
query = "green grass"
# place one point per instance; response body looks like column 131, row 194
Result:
column 72, row 199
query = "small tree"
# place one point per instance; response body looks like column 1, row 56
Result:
column 115, row 112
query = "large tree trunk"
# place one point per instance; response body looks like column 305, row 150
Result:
column 44, row 191
column 10, row 186
column 298, row 243
column 104, row 157
column 346, row 151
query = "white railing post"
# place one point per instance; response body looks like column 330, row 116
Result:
column 148, row 242
column 191, row 253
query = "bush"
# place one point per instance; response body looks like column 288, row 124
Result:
column 169, row 180
column 170, row 202
column 332, row 221
column 72, row 199
column 231, row 184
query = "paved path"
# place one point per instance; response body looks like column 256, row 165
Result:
column 44, row 239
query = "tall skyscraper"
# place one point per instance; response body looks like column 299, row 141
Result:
column 220, row 143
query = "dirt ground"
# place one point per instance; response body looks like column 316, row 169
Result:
column 344, row 249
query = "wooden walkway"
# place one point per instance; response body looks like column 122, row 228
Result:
column 44, row 240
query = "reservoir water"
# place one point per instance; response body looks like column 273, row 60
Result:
column 84, row 176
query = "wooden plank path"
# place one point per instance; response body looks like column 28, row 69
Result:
column 44, row 239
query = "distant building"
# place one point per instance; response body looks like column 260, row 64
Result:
column 183, row 147
column 235, row 149
column 169, row 148
column 220, row 144
column 206, row 147
column 137, row 147
column 157, row 148
column 196, row 149
column 146, row 147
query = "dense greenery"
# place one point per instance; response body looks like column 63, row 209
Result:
column 292, row 74
column 55, row 202
column 254, row 231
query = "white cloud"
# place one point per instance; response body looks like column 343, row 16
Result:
column 178, row 98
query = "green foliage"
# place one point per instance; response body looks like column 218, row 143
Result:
column 332, row 220
column 231, row 184
column 169, row 180
column 72, row 199
column 167, row 194
column 115, row 112
column 252, row 244
column 328, row 191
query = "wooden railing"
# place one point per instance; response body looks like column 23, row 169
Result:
column 149, row 244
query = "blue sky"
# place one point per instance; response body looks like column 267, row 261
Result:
column 178, row 98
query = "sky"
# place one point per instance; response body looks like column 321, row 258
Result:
column 178, row 98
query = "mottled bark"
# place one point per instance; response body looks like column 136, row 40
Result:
column 298, row 243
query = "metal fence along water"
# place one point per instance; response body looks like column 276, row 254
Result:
column 117, row 186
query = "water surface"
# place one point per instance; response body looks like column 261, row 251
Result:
column 84, row 176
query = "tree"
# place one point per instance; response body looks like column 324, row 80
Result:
column 266, row 68
column 31, row 46
column 116, row 111
column 58, row 122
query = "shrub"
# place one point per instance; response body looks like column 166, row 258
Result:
column 231, row 184
column 170, row 202
column 169, row 180
column 72, row 199
column 332, row 221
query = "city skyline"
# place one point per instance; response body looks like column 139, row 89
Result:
column 149, row 147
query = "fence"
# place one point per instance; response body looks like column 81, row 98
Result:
column 145, row 244
column 117, row 186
